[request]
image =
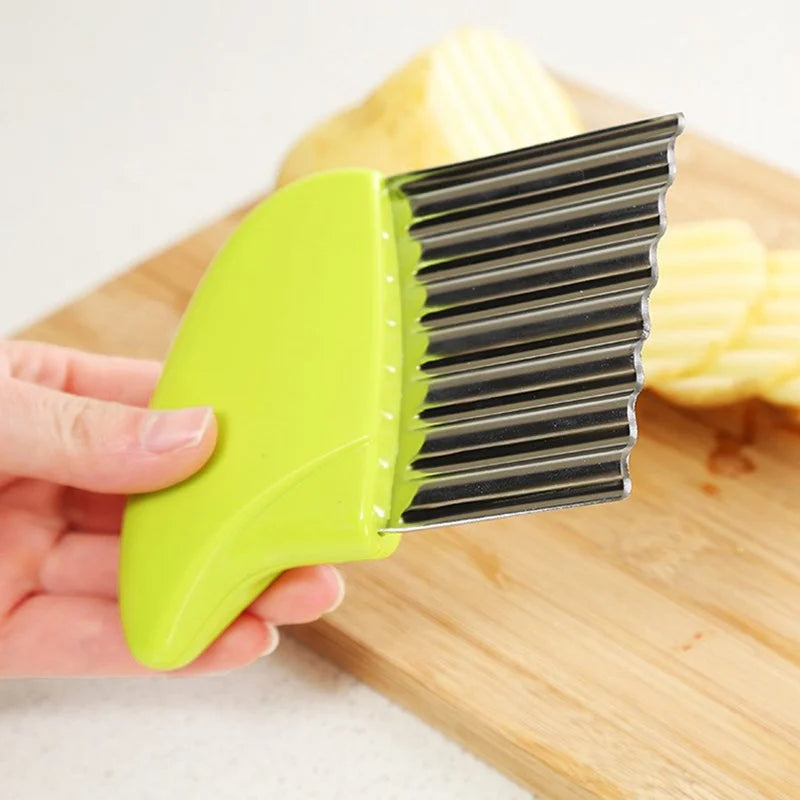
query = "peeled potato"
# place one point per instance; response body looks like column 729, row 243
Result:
column 473, row 94
column 710, row 275
column 766, row 353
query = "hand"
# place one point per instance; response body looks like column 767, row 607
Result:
column 74, row 440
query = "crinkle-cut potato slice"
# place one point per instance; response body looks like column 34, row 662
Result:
column 473, row 94
column 764, row 357
column 785, row 317
column 710, row 275
column 786, row 393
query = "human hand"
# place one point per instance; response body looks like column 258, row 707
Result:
column 75, row 438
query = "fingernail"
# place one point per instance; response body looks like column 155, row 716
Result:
column 273, row 640
column 339, row 578
column 165, row 431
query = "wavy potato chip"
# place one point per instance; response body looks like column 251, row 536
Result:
column 784, row 326
column 710, row 275
column 764, row 356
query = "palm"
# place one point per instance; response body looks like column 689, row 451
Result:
column 58, row 558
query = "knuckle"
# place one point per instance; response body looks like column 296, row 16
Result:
column 74, row 424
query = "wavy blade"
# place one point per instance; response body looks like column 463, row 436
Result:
column 526, row 277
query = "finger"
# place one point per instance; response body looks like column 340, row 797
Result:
column 99, row 445
column 25, row 539
column 82, row 564
column 123, row 380
column 82, row 636
column 39, row 497
column 300, row 595
column 82, row 510
column 87, row 564
column 91, row 511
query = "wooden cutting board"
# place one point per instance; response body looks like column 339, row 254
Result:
column 645, row 649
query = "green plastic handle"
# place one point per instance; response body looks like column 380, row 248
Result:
column 294, row 338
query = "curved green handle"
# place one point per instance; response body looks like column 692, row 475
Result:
column 294, row 338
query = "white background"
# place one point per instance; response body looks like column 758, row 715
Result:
column 124, row 126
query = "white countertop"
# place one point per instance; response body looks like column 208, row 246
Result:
column 122, row 130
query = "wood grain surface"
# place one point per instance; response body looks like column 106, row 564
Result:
column 645, row 649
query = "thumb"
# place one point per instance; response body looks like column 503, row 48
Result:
column 97, row 445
